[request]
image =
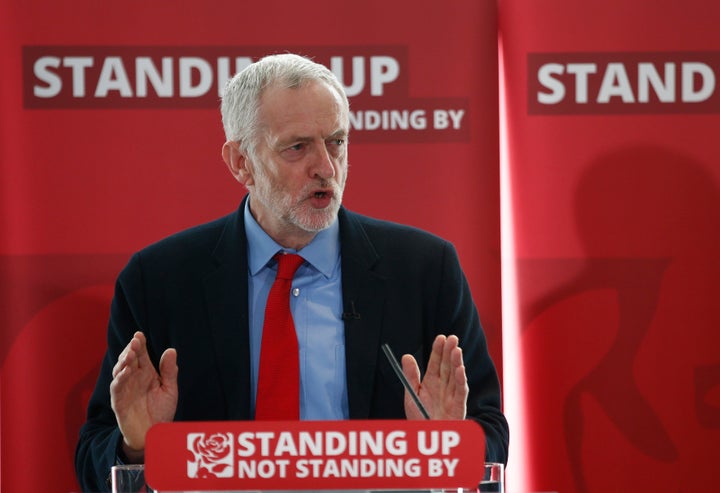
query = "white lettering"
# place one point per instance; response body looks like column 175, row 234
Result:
column 450, row 465
column 388, row 120
column 395, row 443
column 697, row 82
column 360, row 468
column 42, row 72
column 581, row 72
column 247, row 469
column 329, row 443
column 264, row 468
column 301, row 469
column 265, row 437
column 435, row 468
column 442, row 467
column 78, row 65
column 335, row 443
column 383, row 70
column 188, row 66
column 456, row 117
column 450, row 439
column 440, row 119
column 311, row 443
column 707, row 86
column 246, row 445
column 556, row 87
column 146, row 71
column 615, row 83
column 223, row 70
column 664, row 87
column 426, row 448
column 113, row 78
column 285, row 445
column 358, row 74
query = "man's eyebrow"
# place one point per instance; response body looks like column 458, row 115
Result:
column 292, row 139
column 341, row 133
column 338, row 134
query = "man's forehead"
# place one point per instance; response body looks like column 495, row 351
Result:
column 292, row 112
column 278, row 89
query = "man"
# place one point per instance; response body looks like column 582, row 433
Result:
column 195, row 301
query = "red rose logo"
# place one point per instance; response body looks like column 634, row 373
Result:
column 212, row 455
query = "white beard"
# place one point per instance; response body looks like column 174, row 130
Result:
column 297, row 211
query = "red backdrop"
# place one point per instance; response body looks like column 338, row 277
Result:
column 610, row 116
column 103, row 152
column 611, row 122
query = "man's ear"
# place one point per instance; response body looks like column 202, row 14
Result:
column 237, row 162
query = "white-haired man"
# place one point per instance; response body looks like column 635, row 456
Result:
column 186, row 325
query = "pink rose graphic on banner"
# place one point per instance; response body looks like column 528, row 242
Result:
column 212, row 455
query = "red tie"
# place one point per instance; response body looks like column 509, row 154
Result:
column 278, row 394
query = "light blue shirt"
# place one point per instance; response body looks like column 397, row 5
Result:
column 316, row 306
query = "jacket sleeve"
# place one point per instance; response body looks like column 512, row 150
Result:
column 97, row 448
column 458, row 315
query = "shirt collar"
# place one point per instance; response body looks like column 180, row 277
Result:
column 322, row 252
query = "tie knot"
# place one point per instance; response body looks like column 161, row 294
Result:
column 288, row 264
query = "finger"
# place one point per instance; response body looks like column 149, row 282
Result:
column 119, row 365
column 461, row 392
column 121, row 387
column 456, row 357
column 126, row 356
column 411, row 370
column 139, row 346
column 461, row 386
column 459, row 377
column 127, row 373
column 133, row 358
column 169, row 368
column 412, row 374
column 435, row 361
column 454, row 360
column 446, row 366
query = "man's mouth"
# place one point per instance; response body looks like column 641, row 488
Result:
column 320, row 199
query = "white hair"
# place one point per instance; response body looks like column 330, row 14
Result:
column 241, row 97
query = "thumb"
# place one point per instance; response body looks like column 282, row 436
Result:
column 169, row 368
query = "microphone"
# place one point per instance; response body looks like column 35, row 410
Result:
column 398, row 371
column 351, row 315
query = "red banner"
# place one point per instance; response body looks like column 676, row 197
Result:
column 110, row 139
column 627, row 83
column 315, row 455
column 172, row 77
column 612, row 181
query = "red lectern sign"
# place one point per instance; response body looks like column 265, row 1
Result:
column 314, row 455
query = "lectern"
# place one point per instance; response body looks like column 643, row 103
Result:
column 354, row 455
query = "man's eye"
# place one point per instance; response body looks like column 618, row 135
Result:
column 297, row 147
column 336, row 143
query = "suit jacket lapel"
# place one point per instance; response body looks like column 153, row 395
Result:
column 363, row 302
column 226, row 299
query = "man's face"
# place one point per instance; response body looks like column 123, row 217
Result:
column 298, row 170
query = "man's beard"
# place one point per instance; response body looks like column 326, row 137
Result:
column 297, row 211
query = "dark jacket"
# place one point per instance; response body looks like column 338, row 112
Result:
column 402, row 286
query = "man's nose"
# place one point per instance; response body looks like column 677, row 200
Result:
column 323, row 165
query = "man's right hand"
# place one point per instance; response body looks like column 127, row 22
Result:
column 140, row 397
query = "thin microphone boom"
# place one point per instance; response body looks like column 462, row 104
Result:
column 398, row 371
